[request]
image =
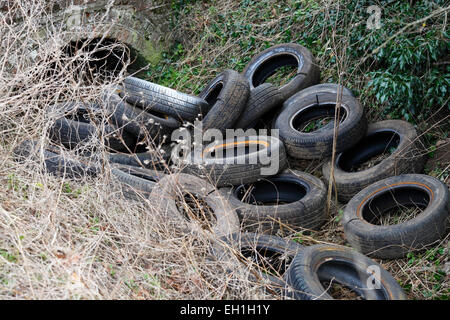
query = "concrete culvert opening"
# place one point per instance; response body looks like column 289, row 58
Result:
column 98, row 59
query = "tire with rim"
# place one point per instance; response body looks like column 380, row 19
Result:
column 265, row 64
column 288, row 202
column 395, row 136
column 271, row 254
column 299, row 114
column 263, row 99
column 227, row 96
column 257, row 156
column 371, row 228
column 153, row 97
column 316, row 268
column 212, row 211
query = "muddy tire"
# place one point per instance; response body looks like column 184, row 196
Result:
column 319, row 144
column 265, row 64
column 408, row 157
column 227, row 96
column 153, row 97
column 303, row 197
column 363, row 213
column 337, row 264
column 263, row 99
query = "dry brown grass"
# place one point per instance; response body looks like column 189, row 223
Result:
column 94, row 245
column 67, row 239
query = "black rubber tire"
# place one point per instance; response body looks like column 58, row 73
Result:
column 71, row 133
column 320, row 88
column 395, row 241
column 136, row 183
column 306, row 212
column 339, row 264
column 137, row 121
column 281, row 250
column 265, row 64
column 143, row 173
column 151, row 96
column 175, row 185
column 149, row 160
column 263, row 99
column 239, row 170
column 227, row 95
column 55, row 163
column 319, row 144
column 77, row 110
column 407, row 157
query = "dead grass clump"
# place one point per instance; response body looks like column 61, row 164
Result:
column 62, row 238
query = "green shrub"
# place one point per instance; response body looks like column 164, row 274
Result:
column 405, row 78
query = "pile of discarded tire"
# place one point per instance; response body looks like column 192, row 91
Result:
column 251, row 210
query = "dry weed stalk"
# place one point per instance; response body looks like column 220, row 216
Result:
column 79, row 239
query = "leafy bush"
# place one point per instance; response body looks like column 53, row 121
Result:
column 405, row 74
column 405, row 77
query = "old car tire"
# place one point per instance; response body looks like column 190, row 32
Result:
column 380, row 137
column 71, row 133
column 265, row 64
column 137, row 121
column 303, row 199
column 263, row 99
column 153, row 97
column 227, row 95
column 330, row 263
column 55, row 162
column 136, row 182
column 224, row 220
column 361, row 220
column 235, row 170
column 319, row 144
